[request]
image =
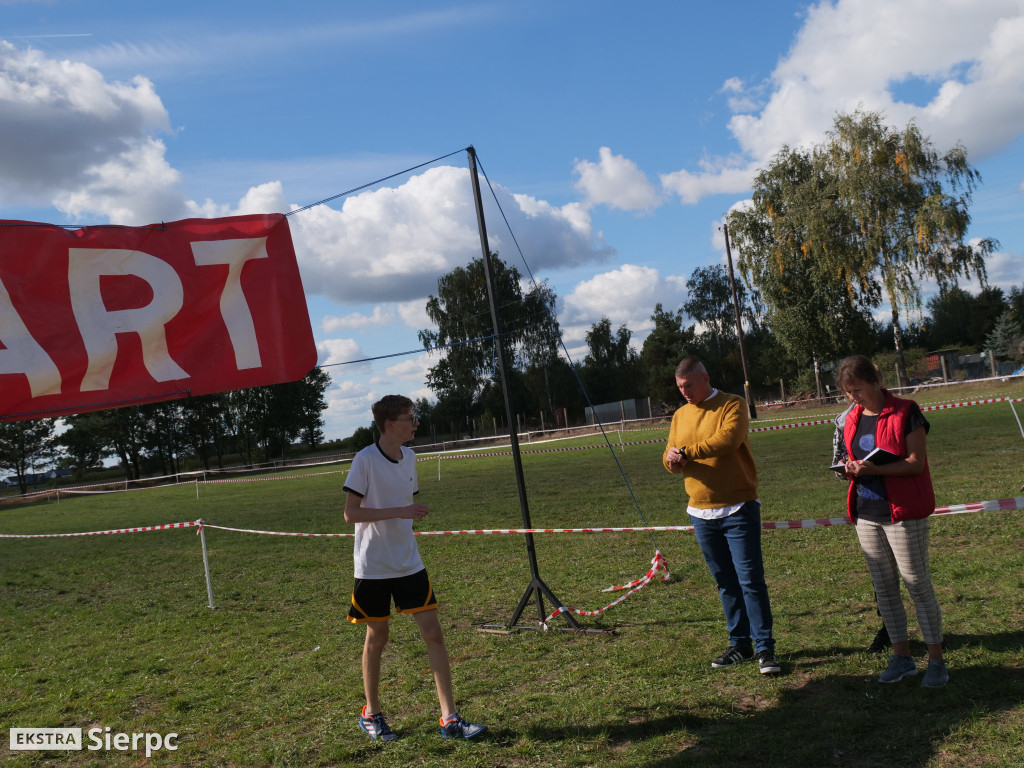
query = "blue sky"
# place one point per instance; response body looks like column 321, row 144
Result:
column 616, row 136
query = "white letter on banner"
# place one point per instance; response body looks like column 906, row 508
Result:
column 233, row 306
column 23, row 354
column 100, row 326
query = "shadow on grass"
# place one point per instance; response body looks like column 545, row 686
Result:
column 840, row 720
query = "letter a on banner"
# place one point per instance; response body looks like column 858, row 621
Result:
column 105, row 316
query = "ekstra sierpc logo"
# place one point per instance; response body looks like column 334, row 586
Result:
column 66, row 739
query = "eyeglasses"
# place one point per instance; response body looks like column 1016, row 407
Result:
column 410, row 419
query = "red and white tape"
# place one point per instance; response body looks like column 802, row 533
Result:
column 141, row 529
column 994, row 505
column 658, row 565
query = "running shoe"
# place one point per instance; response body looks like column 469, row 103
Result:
column 454, row 727
column 768, row 663
column 936, row 675
column 899, row 667
column 376, row 726
column 735, row 655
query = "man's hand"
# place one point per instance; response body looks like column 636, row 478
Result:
column 675, row 458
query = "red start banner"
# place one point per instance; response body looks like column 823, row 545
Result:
column 109, row 316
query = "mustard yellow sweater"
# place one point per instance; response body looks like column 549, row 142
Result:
column 720, row 471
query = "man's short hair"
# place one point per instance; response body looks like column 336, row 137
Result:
column 389, row 408
column 689, row 366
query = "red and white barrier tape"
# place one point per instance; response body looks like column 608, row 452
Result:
column 658, row 564
column 994, row 505
column 190, row 524
column 283, row 533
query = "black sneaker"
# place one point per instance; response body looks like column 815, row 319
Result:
column 881, row 641
column 768, row 663
column 735, row 655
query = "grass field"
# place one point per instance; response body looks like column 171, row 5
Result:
column 114, row 631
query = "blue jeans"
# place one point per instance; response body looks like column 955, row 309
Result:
column 732, row 550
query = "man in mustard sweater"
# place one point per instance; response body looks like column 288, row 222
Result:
column 708, row 445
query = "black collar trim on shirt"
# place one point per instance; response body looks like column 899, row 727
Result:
column 382, row 453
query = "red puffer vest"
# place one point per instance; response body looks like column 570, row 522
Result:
column 911, row 497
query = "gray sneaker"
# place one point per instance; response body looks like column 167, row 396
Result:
column 899, row 667
column 936, row 675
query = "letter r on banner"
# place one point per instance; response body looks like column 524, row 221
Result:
column 100, row 326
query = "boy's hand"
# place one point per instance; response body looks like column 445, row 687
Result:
column 415, row 511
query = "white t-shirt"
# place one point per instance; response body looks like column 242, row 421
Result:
column 385, row 549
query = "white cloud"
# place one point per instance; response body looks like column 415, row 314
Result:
column 1003, row 269
column 392, row 244
column 616, row 182
column 335, row 351
column 348, row 405
column 963, row 62
column 73, row 140
column 414, row 315
column 740, row 100
column 378, row 318
column 180, row 47
column 264, row 198
column 625, row 296
column 409, row 369
column 714, row 179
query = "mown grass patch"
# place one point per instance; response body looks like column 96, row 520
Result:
column 113, row 631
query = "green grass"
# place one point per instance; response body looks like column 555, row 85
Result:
column 114, row 631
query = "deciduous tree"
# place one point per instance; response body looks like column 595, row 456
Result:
column 906, row 210
column 790, row 242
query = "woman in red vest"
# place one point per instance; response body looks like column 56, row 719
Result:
column 890, row 503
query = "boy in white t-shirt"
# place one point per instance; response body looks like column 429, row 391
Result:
column 379, row 491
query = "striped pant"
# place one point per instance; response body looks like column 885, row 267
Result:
column 901, row 549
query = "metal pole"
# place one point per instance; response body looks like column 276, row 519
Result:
column 537, row 588
column 739, row 327
column 206, row 565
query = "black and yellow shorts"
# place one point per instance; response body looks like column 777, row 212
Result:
column 371, row 598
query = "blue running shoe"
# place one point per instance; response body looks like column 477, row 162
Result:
column 899, row 667
column 454, row 727
column 376, row 726
column 936, row 675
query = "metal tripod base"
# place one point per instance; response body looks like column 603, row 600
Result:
column 537, row 589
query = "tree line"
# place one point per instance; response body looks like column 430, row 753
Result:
column 249, row 425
